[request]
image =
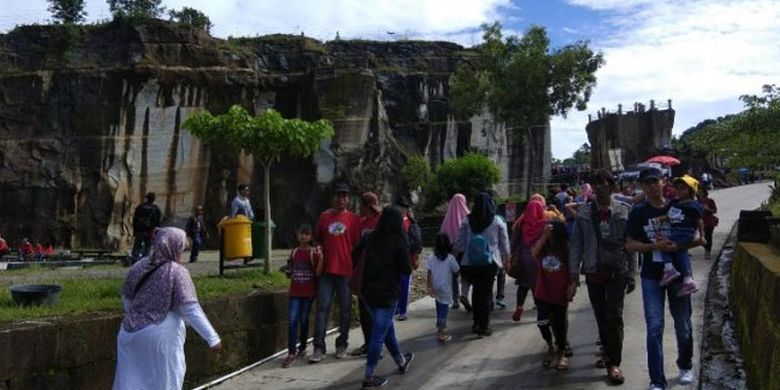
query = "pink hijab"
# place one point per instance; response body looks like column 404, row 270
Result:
column 587, row 192
column 532, row 222
column 457, row 212
column 167, row 287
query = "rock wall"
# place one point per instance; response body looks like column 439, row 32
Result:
column 80, row 352
column 620, row 139
column 755, row 301
column 90, row 120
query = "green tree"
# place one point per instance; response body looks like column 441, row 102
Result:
column 747, row 139
column 267, row 136
column 522, row 81
column 417, row 172
column 67, row 11
column 469, row 174
column 582, row 155
column 135, row 9
column 192, row 17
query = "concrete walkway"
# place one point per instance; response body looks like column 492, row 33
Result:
column 512, row 357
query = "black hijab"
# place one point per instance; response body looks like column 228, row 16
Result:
column 482, row 213
column 389, row 228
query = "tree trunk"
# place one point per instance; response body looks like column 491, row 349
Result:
column 267, row 196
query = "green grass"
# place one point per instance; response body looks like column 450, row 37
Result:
column 774, row 207
column 102, row 295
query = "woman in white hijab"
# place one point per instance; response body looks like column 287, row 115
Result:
column 158, row 297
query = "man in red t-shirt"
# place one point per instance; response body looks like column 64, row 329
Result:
column 338, row 231
column 3, row 247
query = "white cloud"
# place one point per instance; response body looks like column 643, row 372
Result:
column 701, row 54
column 321, row 19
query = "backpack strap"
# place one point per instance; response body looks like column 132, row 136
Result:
column 145, row 278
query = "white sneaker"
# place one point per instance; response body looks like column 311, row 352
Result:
column 655, row 387
column 686, row 377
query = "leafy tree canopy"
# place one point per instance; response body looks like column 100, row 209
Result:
column 192, row 17
column 522, row 81
column 268, row 136
column 67, row 11
column 136, row 9
column 747, row 139
column 467, row 175
column 580, row 156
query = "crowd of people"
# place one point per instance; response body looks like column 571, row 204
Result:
column 556, row 242
column 27, row 250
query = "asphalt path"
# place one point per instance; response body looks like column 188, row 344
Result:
column 512, row 357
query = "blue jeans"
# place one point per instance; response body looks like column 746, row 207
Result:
column 683, row 237
column 403, row 297
column 442, row 309
column 197, row 242
column 680, row 308
column 300, row 308
column 382, row 332
column 330, row 285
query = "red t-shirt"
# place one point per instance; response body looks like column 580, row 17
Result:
column 338, row 232
column 301, row 266
column 368, row 224
column 552, row 280
column 3, row 247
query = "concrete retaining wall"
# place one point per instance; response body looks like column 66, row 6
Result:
column 755, row 300
column 80, row 353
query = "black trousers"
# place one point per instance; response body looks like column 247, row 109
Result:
column 553, row 316
column 607, row 301
column 708, row 236
column 482, row 292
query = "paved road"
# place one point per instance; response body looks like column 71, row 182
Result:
column 511, row 358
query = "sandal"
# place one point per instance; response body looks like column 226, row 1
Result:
column 615, row 375
column 548, row 358
column 563, row 364
column 601, row 363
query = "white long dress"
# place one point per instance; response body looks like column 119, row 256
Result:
column 153, row 357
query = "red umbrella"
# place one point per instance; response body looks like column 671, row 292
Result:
column 665, row 160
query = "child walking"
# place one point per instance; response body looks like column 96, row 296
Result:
column 301, row 268
column 684, row 216
column 550, row 291
column 441, row 267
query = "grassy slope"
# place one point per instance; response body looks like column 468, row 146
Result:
column 93, row 295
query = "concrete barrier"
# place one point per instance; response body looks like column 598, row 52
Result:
column 755, row 300
column 80, row 352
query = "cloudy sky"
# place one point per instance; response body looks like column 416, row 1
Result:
column 702, row 54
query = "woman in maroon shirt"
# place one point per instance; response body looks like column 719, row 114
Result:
column 708, row 218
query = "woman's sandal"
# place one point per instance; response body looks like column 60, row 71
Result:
column 615, row 375
column 563, row 364
column 548, row 358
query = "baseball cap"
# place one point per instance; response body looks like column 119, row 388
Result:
column 650, row 174
column 340, row 187
column 372, row 201
column 689, row 181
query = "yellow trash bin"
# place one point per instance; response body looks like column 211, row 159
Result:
column 237, row 237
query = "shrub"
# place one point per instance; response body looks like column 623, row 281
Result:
column 191, row 17
column 467, row 175
column 417, row 173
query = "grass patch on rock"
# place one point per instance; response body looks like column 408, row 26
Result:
column 80, row 296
